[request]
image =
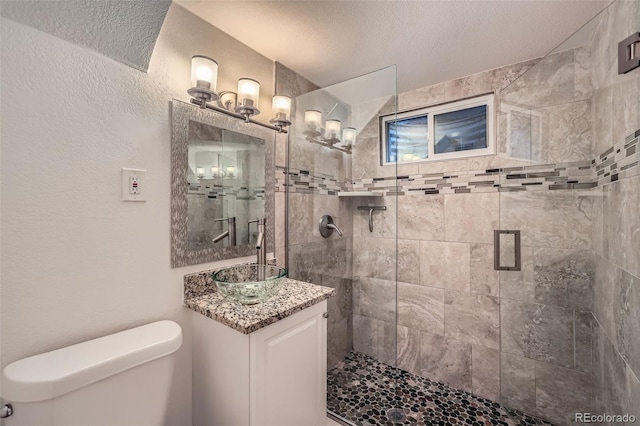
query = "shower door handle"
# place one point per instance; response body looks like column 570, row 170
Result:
column 517, row 255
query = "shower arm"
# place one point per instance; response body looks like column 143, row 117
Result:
column 371, row 209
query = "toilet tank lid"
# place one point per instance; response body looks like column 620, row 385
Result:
column 52, row 374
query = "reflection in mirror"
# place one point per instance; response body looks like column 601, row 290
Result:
column 222, row 176
column 226, row 186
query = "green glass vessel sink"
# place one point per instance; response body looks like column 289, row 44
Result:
column 249, row 284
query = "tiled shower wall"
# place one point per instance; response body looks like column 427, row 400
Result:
column 616, row 230
column 522, row 338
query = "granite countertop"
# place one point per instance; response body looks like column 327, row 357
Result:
column 293, row 296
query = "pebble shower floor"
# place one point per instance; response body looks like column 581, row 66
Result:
column 362, row 391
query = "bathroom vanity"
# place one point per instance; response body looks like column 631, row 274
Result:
column 262, row 364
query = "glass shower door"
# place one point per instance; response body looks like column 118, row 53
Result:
column 332, row 179
column 566, row 176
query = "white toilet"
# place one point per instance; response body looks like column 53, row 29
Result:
column 120, row 379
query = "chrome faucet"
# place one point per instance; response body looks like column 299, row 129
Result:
column 335, row 227
column 230, row 232
column 261, row 243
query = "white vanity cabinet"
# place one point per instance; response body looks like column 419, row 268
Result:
column 273, row 376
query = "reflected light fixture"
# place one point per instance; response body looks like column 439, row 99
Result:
column 241, row 104
column 281, row 111
column 329, row 135
column 348, row 137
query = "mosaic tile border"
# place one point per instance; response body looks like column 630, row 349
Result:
column 618, row 162
column 362, row 390
column 220, row 191
column 305, row 182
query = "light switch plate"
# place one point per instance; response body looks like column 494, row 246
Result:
column 133, row 188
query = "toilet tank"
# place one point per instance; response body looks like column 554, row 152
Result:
column 119, row 379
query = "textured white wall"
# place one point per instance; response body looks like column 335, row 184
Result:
column 77, row 262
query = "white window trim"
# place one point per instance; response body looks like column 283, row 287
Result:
column 430, row 112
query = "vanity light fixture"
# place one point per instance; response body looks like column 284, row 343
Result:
column 248, row 95
column 328, row 136
column 242, row 104
column 200, row 172
column 231, row 171
column 204, row 78
column 228, row 100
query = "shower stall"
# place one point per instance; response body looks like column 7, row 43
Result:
column 501, row 288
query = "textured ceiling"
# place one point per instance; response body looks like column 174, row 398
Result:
column 429, row 41
column 122, row 30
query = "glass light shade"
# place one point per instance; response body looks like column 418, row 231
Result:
column 200, row 171
column 281, row 107
column 215, row 171
column 313, row 118
column 349, row 136
column 248, row 92
column 231, row 170
column 332, row 128
column 204, row 72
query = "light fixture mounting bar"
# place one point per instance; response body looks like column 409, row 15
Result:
column 328, row 145
column 238, row 116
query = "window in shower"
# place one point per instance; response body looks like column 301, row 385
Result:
column 458, row 129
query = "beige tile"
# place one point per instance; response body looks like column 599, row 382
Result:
column 564, row 278
column 518, row 382
column 473, row 318
column 566, row 133
column 300, row 218
column 444, row 265
column 280, row 208
column 375, row 258
column 365, row 335
column 409, row 349
column 622, row 223
column 420, row 97
column 597, row 234
column 420, row 217
column 446, row 360
column 421, row 308
column 557, row 219
column 376, row 298
column 408, row 261
column 471, row 217
column 583, row 87
column 540, row 332
column 519, row 285
column 484, row 279
column 561, row 392
column 532, row 89
column 485, row 372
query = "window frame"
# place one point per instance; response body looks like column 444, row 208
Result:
column 430, row 112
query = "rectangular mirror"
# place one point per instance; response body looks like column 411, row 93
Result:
column 222, row 177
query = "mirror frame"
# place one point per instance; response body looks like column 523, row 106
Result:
column 181, row 114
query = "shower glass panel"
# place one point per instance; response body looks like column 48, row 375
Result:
column 568, row 178
column 328, row 176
